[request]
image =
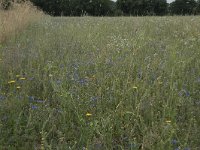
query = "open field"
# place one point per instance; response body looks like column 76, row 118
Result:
column 102, row 83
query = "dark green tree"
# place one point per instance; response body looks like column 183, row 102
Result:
column 198, row 7
column 183, row 7
column 76, row 7
column 142, row 7
column 100, row 7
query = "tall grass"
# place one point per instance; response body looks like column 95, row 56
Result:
column 17, row 18
column 102, row 83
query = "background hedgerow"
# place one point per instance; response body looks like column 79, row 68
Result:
column 102, row 83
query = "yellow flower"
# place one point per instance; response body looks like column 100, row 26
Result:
column 135, row 87
column 12, row 81
column 17, row 76
column 18, row 87
column 88, row 114
column 168, row 121
column 22, row 78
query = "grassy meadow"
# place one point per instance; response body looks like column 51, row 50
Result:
column 124, row 83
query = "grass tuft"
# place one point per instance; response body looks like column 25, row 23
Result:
column 15, row 19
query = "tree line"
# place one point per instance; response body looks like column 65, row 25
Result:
column 111, row 8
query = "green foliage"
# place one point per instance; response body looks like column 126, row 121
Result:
column 102, row 83
column 76, row 7
column 183, row 7
column 198, row 7
column 143, row 7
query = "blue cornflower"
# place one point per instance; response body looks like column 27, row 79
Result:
column 62, row 66
column 184, row 92
column 76, row 76
column 59, row 111
column 2, row 97
column 75, row 66
column 31, row 78
column 83, row 81
column 59, row 82
column 32, row 99
column 174, row 142
column 94, row 98
column 34, row 107
column 187, row 93
column 94, row 101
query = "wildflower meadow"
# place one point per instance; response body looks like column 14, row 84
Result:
column 101, row 83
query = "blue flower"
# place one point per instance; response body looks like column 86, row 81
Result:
column 2, row 97
column 187, row 148
column 32, row 99
column 59, row 111
column 94, row 101
column 59, row 82
column 83, row 81
column 184, row 92
column 62, row 66
column 32, row 78
column 76, row 76
column 94, row 98
column 174, row 142
column 34, row 107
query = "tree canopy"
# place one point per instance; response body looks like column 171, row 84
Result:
column 143, row 7
column 183, row 7
column 76, row 7
column 111, row 8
